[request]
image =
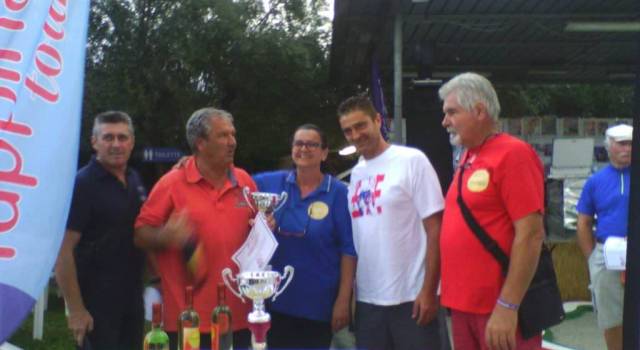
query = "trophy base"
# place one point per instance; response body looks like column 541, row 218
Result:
column 259, row 331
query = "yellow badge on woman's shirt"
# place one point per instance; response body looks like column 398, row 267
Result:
column 478, row 181
column 318, row 210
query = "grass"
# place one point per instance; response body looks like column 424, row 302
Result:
column 56, row 335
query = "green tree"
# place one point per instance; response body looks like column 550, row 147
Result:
column 567, row 100
column 160, row 60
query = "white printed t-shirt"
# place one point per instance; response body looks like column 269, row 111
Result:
column 389, row 196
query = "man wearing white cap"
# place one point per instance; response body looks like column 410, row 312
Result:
column 606, row 196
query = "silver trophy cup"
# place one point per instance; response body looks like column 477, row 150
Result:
column 258, row 286
column 265, row 202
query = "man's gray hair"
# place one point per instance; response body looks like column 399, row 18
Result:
column 607, row 142
column 471, row 88
column 199, row 125
column 111, row 117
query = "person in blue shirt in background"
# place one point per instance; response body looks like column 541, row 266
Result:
column 313, row 229
column 606, row 197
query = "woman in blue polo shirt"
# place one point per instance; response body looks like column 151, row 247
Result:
column 313, row 229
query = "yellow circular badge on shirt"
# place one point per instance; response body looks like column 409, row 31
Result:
column 478, row 181
column 318, row 210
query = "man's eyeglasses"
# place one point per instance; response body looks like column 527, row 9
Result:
column 308, row 144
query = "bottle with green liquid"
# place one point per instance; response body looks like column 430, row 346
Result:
column 157, row 338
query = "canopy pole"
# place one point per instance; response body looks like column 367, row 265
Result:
column 631, row 321
column 397, row 78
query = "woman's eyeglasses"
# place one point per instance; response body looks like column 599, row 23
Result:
column 308, row 144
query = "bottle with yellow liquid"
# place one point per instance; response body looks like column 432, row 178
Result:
column 221, row 331
column 189, row 324
column 157, row 338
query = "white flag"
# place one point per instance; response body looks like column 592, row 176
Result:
column 257, row 250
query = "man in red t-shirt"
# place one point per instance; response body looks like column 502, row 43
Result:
column 502, row 185
column 199, row 201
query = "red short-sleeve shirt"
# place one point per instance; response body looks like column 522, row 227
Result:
column 220, row 220
column 502, row 182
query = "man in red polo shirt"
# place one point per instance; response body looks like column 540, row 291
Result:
column 502, row 186
column 202, row 201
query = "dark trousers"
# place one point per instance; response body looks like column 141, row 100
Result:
column 289, row 332
column 118, row 322
column 116, row 333
column 241, row 340
column 392, row 328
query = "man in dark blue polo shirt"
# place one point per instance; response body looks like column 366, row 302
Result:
column 99, row 270
column 605, row 196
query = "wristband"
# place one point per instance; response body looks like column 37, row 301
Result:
column 507, row 304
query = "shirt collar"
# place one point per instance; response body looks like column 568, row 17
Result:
column 325, row 185
column 193, row 174
column 101, row 171
column 624, row 170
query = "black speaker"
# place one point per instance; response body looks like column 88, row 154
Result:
column 423, row 113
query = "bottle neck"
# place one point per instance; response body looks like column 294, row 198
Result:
column 221, row 296
column 156, row 319
column 188, row 297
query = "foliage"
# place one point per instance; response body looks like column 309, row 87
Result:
column 266, row 61
column 567, row 100
column 160, row 60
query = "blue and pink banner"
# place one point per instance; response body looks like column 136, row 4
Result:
column 42, row 52
column 377, row 97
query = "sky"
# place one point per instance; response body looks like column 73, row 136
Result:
column 329, row 12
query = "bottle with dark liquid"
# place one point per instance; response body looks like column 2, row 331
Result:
column 221, row 331
column 156, row 339
column 189, row 324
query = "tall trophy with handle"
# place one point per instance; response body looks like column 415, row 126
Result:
column 257, row 281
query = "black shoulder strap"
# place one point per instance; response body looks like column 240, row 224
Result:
column 487, row 242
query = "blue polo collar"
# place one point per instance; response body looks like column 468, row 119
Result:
column 325, row 186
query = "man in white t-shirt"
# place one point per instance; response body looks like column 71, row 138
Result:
column 396, row 207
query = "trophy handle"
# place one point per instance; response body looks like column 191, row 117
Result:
column 227, row 276
column 246, row 192
column 282, row 199
column 287, row 276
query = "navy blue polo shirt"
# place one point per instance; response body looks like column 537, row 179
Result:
column 606, row 196
column 103, row 210
column 313, row 234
